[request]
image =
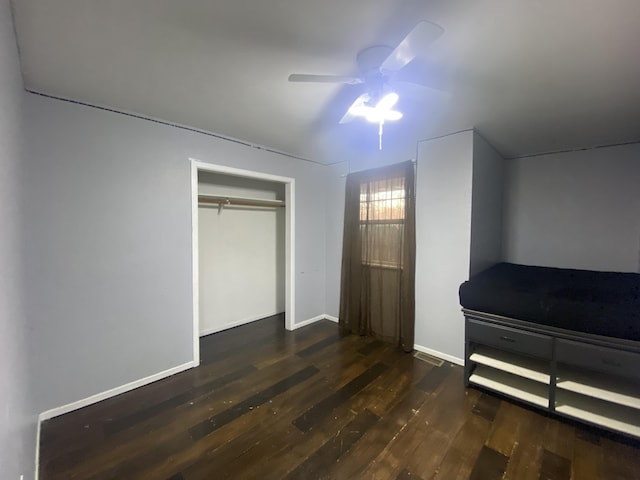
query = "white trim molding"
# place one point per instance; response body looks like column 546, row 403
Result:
column 98, row 397
column 313, row 320
column 237, row 323
column 444, row 356
column 195, row 264
column 332, row 318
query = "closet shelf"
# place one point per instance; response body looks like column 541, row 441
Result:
column 238, row 201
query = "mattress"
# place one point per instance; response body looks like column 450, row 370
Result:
column 600, row 303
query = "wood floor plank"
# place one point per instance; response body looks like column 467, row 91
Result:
column 461, row 457
column 286, row 348
column 342, row 363
column 370, row 347
column 287, row 448
column 621, row 461
column 395, row 414
column 237, row 455
column 392, row 385
column 286, row 457
column 431, row 381
column 310, row 350
column 445, row 415
column 407, row 475
column 554, row 467
column 588, row 434
column 505, row 429
column 587, row 460
column 217, row 421
column 430, row 427
column 526, row 456
column 490, row 465
column 317, row 464
column 220, row 345
column 320, row 410
column 226, row 445
column 449, row 406
column 556, row 434
column 487, row 406
column 367, row 410
column 276, row 445
column 116, row 425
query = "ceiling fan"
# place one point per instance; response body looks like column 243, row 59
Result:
column 378, row 66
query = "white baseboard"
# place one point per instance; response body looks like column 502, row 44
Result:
column 209, row 331
column 98, row 397
column 443, row 356
column 313, row 320
column 307, row 322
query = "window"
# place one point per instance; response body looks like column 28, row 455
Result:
column 382, row 214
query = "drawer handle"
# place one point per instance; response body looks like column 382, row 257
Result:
column 507, row 339
column 611, row 363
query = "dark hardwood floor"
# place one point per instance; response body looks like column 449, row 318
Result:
column 270, row 404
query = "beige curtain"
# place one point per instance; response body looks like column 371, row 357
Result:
column 377, row 293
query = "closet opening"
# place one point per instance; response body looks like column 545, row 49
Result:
column 243, row 248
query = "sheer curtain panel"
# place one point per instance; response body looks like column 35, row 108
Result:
column 377, row 292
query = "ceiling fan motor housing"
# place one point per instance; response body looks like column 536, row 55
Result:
column 369, row 61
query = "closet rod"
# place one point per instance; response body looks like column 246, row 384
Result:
column 245, row 202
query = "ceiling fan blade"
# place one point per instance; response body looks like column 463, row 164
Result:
column 348, row 116
column 422, row 34
column 420, row 72
column 302, row 77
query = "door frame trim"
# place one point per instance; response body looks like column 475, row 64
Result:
column 289, row 183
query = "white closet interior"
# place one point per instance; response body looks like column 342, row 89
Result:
column 241, row 230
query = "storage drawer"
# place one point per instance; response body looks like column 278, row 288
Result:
column 505, row 338
column 602, row 359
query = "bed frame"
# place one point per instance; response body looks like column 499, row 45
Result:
column 591, row 378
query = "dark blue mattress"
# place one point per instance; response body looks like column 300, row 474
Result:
column 601, row 303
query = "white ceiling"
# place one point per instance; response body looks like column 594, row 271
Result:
column 531, row 75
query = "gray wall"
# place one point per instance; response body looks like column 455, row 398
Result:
column 443, row 238
column 486, row 206
column 109, row 243
column 17, row 420
column 334, row 224
column 576, row 210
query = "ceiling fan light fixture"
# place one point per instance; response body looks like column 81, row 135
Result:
column 361, row 110
column 374, row 117
column 388, row 101
column 377, row 116
column 381, row 112
column 393, row 115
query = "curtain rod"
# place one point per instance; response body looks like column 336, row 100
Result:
column 222, row 201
